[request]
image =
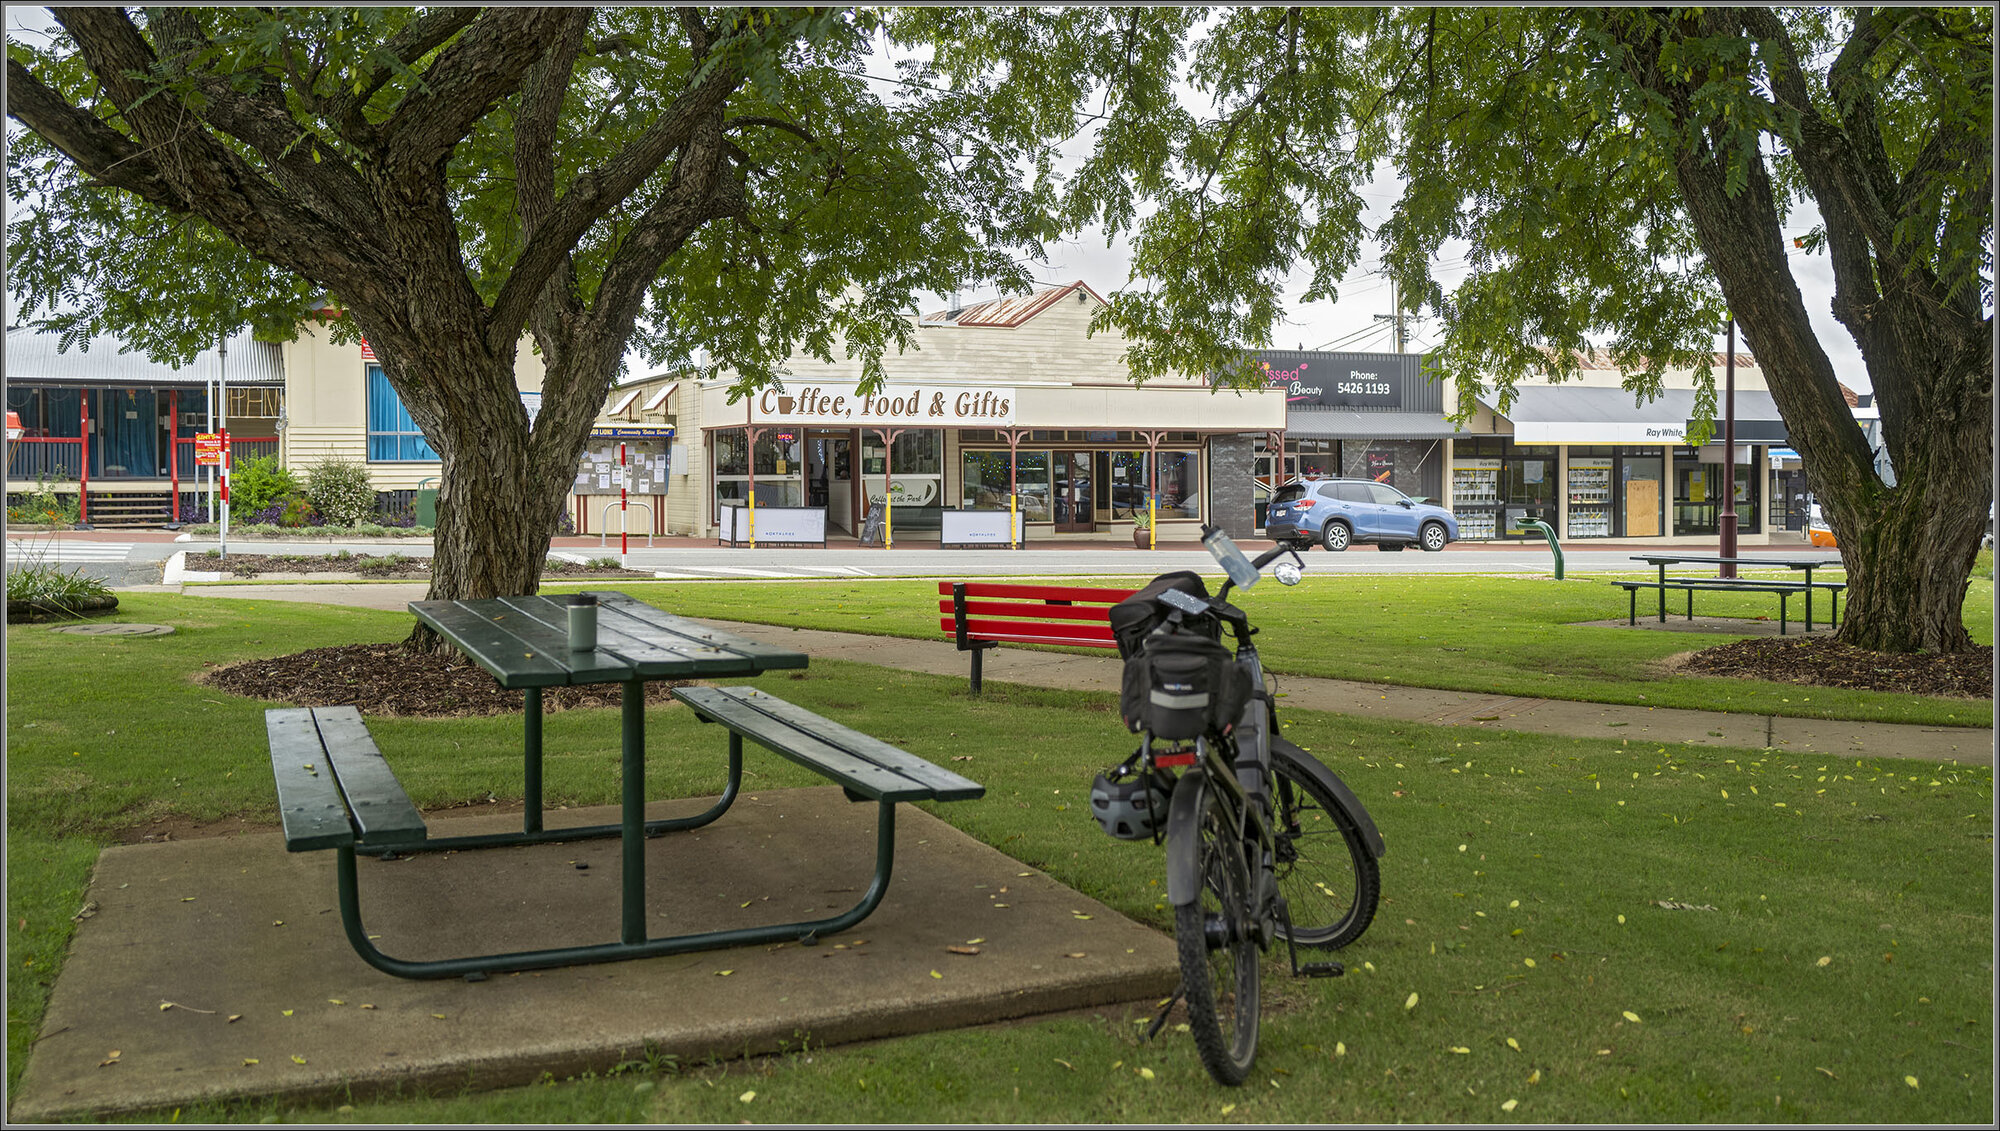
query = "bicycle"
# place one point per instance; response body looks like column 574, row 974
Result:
column 1264, row 842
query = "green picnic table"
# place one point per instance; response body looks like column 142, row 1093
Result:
column 360, row 809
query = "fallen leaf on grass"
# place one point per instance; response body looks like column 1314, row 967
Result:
column 724, row 973
column 1632, row 1017
column 297, row 1059
column 1674, row 905
column 110, row 1058
column 1513, row 1044
column 234, row 1017
column 1064, row 1063
column 1824, row 960
column 962, row 949
column 1910, row 1080
column 250, row 1060
column 1828, row 1071
column 1145, row 1073
column 166, row 1005
column 747, row 1097
column 937, row 975
column 1509, row 1105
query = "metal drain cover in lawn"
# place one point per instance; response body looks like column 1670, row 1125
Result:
column 115, row 629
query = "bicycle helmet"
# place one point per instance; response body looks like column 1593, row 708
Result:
column 1133, row 808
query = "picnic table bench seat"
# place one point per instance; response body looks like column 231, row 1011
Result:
column 1690, row 585
column 982, row 615
column 334, row 788
column 868, row 768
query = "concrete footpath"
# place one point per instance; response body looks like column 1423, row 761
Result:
column 1667, row 726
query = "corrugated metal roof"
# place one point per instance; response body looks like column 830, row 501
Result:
column 1008, row 313
column 32, row 358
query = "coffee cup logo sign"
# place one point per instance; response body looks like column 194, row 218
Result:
column 918, row 405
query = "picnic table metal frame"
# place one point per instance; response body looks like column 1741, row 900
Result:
column 522, row 643
column 1805, row 564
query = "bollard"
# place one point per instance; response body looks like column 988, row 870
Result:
column 1548, row 532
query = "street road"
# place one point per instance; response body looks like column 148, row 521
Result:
column 137, row 558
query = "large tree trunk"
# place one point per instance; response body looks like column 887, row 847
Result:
column 1908, row 549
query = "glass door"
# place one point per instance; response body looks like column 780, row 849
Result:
column 1075, row 510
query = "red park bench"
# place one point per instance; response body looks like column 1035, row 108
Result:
column 981, row 615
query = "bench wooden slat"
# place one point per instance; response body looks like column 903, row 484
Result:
column 496, row 647
column 1038, row 610
column 382, row 811
column 849, row 770
column 1079, row 634
column 945, row 785
column 769, row 657
column 1039, row 592
column 309, row 799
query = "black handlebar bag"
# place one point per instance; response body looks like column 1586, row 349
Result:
column 1181, row 685
column 1142, row 612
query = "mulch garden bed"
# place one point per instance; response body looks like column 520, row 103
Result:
column 1823, row 663
column 395, row 567
column 389, row 679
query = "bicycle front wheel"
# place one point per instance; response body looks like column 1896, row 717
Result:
column 1214, row 933
column 1330, row 879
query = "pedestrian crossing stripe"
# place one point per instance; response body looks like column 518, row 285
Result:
column 19, row 549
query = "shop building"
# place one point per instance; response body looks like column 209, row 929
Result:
column 1007, row 406
column 1356, row 416
column 1589, row 458
column 1584, row 455
column 118, row 430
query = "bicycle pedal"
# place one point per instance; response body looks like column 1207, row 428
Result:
column 1322, row 970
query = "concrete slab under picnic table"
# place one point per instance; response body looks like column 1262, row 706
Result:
column 217, row 967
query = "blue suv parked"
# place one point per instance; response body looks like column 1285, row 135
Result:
column 1337, row 513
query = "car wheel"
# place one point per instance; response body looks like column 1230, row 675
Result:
column 1335, row 537
column 1434, row 537
column 1396, row 546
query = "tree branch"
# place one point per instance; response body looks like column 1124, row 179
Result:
column 485, row 63
column 414, row 40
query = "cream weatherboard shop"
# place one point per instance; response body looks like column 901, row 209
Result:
column 1007, row 405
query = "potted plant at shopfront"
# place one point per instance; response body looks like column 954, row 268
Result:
column 1142, row 530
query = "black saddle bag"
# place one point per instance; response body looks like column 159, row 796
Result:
column 1181, row 685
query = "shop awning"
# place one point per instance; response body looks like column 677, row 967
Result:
column 1338, row 424
column 1553, row 414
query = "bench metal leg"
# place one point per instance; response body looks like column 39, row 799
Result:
column 632, row 781
column 807, row 932
column 1632, row 608
column 1781, row 613
column 531, row 743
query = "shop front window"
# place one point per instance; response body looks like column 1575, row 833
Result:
column 1179, row 485
column 986, row 481
column 780, row 471
column 914, row 464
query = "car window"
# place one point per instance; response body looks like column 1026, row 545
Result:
column 1385, row 494
column 1347, row 492
column 1288, row 494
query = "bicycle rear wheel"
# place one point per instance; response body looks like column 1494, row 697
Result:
column 1330, row 880
column 1214, row 933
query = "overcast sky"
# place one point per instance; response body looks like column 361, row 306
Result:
column 1350, row 324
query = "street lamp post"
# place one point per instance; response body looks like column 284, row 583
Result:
column 1727, row 522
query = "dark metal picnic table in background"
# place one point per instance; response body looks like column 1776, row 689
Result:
column 1807, row 565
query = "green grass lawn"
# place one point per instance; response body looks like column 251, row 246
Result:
column 1595, row 931
column 1524, row 636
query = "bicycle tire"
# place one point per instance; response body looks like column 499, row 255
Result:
column 1214, row 934
column 1330, row 879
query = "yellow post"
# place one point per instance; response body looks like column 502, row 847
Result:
column 1013, row 528
column 888, row 523
column 1153, row 523
column 753, row 519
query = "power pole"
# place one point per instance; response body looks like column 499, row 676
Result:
column 1396, row 304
